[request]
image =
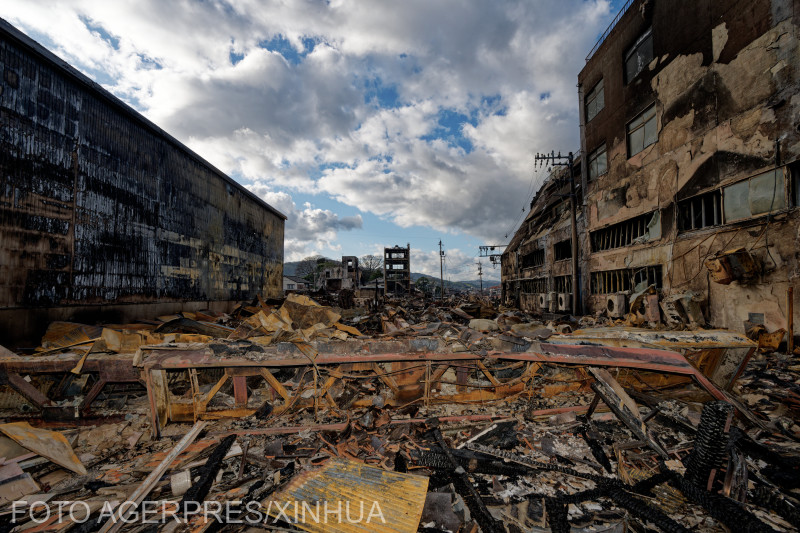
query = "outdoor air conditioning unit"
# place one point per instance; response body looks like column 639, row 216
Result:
column 616, row 305
column 552, row 301
column 564, row 301
column 541, row 301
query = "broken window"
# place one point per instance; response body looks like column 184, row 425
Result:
column 794, row 174
column 562, row 284
column 644, row 228
column 534, row 285
column 700, row 211
column 562, row 250
column 595, row 101
column 639, row 55
column 755, row 196
column 642, row 131
column 626, row 279
column 533, row 259
column 645, row 276
column 598, row 163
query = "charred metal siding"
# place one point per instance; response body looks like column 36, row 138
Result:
column 99, row 206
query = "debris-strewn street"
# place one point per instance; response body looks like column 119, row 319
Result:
column 337, row 266
column 416, row 414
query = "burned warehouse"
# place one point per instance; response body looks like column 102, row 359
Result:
column 104, row 214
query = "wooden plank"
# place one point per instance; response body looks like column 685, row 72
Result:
column 150, row 481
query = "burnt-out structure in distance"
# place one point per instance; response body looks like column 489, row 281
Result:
column 104, row 215
column 537, row 263
column 397, row 270
column 690, row 139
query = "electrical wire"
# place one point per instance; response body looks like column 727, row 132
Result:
column 528, row 194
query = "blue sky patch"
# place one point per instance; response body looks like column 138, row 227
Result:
column 235, row 58
column 449, row 126
column 281, row 44
column 384, row 96
column 96, row 28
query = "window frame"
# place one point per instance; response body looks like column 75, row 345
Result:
column 592, row 96
column 686, row 211
column 631, row 51
column 629, row 131
column 778, row 171
column 592, row 157
column 564, row 245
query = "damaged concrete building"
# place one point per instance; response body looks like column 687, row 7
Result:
column 537, row 266
column 345, row 275
column 397, row 270
column 690, row 140
column 103, row 212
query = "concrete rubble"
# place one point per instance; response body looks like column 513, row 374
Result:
column 454, row 415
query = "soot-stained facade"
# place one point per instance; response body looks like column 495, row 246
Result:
column 690, row 137
column 100, row 210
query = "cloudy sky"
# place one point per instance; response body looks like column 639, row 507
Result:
column 368, row 123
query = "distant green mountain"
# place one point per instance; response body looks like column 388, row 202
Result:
column 457, row 285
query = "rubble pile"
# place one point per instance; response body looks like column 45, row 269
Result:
column 409, row 416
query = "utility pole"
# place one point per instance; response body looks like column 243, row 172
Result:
column 441, row 270
column 488, row 251
column 568, row 160
column 480, row 275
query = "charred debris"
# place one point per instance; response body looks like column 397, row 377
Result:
column 448, row 415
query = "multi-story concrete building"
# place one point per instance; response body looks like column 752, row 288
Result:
column 536, row 266
column 397, row 270
column 104, row 215
column 690, row 140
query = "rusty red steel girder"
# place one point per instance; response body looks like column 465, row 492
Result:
column 646, row 359
column 108, row 368
column 654, row 360
column 112, row 368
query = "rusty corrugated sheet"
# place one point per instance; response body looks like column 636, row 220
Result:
column 399, row 498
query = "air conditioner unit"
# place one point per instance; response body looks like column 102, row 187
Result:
column 616, row 305
column 552, row 301
column 564, row 301
column 541, row 301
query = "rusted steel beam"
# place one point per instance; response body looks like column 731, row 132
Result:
column 91, row 395
column 635, row 358
column 341, row 426
column 26, row 390
column 240, row 391
column 118, row 365
column 254, row 364
column 175, row 360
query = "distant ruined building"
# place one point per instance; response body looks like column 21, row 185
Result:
column 689, row 172
column 397, row 270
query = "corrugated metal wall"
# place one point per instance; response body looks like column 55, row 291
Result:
column 97, row 205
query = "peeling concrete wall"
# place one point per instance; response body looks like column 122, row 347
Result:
column 98, row 206
column 724, row 81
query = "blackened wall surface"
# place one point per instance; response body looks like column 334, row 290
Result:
column 723, row 81
column 98, row 205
